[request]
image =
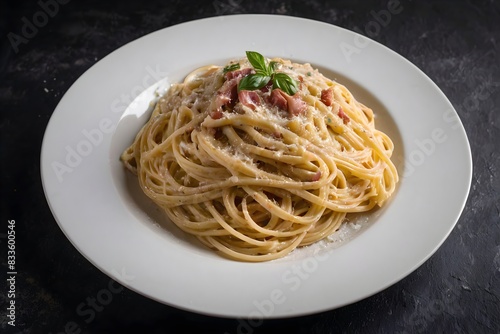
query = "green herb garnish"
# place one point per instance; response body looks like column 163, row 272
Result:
column 259, row 63
column 264, row 73
column 285, row 83
column 253, row 81
column 231, row 67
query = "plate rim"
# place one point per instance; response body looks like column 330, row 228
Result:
column 44, row 167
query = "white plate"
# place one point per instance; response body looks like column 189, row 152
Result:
column 101, row 211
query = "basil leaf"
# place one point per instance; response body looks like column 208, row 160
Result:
column 253, row 82
column 285, row 83
column 273, row 66
column 258, row 62
column 231, row 67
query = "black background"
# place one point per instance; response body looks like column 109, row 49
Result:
column 456, row 43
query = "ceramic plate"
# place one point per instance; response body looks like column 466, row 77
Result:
column 102, row 211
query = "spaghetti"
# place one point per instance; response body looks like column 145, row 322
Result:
column 255, row 174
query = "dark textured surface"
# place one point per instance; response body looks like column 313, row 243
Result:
column 455, row 43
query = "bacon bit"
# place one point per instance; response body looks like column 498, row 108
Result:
column 249, row 98
column 216, row 114
column 267, row 87
column 294, row 104
column 301, row 81
column 344, row 117
column 327, row 96
column 227, row 94
column 277, row 99
column 238, row 74
column 226, row 97
column 316, row 176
